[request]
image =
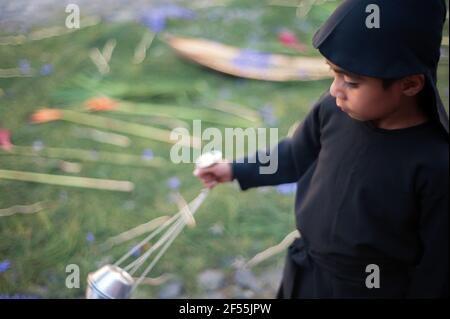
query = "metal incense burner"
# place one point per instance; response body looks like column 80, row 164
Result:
column 115, row 282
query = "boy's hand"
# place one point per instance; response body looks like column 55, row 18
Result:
column 218, row 173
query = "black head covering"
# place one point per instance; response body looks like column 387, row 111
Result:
column 407, row 42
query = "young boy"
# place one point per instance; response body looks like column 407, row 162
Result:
column 370, row 159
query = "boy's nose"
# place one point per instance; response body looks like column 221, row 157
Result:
column 336, row 91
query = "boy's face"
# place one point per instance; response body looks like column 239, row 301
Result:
column 363, row 98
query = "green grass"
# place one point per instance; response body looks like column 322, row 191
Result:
column 40, row 246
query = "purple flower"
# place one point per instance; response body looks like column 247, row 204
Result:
column 154, row 21
column 155, row 18
column 147, row 154
column 90, row 237
column 287, row 189
column 251, row 59
column 4, row 265
column 24, row 66
column 173, row 183
column 46, row 69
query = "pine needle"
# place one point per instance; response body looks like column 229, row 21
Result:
column 70, row 181
column 85, row 155
column 134, row 232
column 145, row 131
column 271, row 251
column 22, row 209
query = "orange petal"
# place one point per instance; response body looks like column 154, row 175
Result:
column 46, row 115
column 101, row 104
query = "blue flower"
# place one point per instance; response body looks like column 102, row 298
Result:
column 155, row 18
column 24, row 66
column 147, row 154
column 46, row 69
column 4, row 265
column 136, row 251
column 287, row 189
column 173, row 183
column 154, row 21
column 251, row 59
column 90, row 237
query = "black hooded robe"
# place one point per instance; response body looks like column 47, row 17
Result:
column 368, row 197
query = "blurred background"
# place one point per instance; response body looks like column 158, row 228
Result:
column 139, row 65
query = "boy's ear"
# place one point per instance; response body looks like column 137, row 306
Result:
column 411, row 85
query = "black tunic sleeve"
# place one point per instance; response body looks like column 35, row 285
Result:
column 295, row 155
column 431, row 275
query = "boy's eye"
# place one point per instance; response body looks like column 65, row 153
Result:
column 352, row 85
